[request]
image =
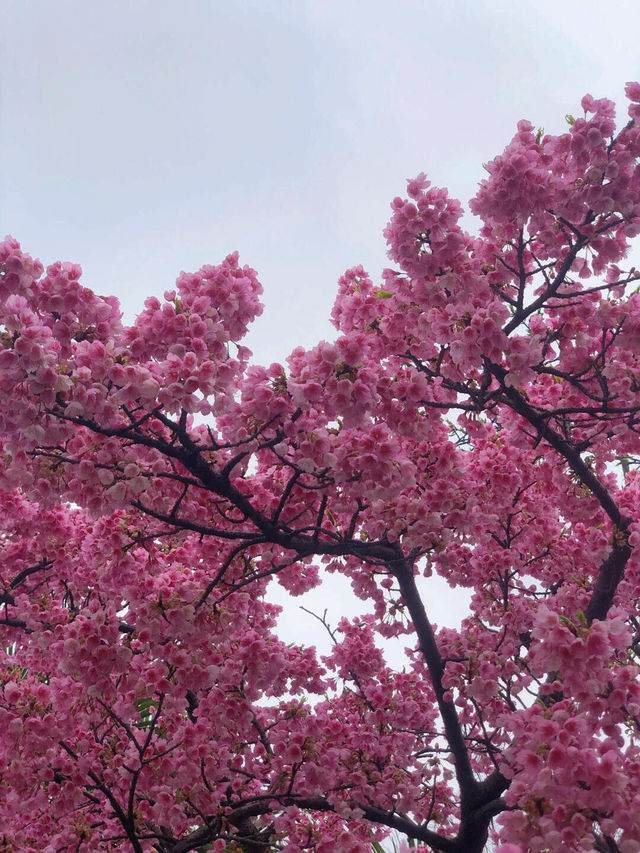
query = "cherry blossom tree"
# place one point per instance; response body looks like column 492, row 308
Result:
column 477, row 418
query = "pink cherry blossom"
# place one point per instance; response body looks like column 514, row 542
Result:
column 476, row 419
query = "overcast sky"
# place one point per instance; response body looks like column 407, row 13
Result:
column 144, row 137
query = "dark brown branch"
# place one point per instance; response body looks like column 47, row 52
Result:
column 609, row 576
column 476, row 798
column 25, row 573
column 521, row 314
column 514, row 399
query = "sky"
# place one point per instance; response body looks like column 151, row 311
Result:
column 146, row 137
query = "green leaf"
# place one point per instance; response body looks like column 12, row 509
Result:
column 564, row 620
column 570, row 119
column 383, row 294
column 145, row 709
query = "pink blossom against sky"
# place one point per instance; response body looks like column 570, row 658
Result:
column 146, row 137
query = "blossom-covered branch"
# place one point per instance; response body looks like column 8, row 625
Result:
column 467, row 422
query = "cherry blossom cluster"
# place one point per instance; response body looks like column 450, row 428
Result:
column 477, row 418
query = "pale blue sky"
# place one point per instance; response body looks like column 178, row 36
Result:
column 144, row 137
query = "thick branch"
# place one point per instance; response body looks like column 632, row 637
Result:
column 239, row 816
column 431, row 654
column 609, row 576
column 612, row 569
column 478, row 800
column 517, row 402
